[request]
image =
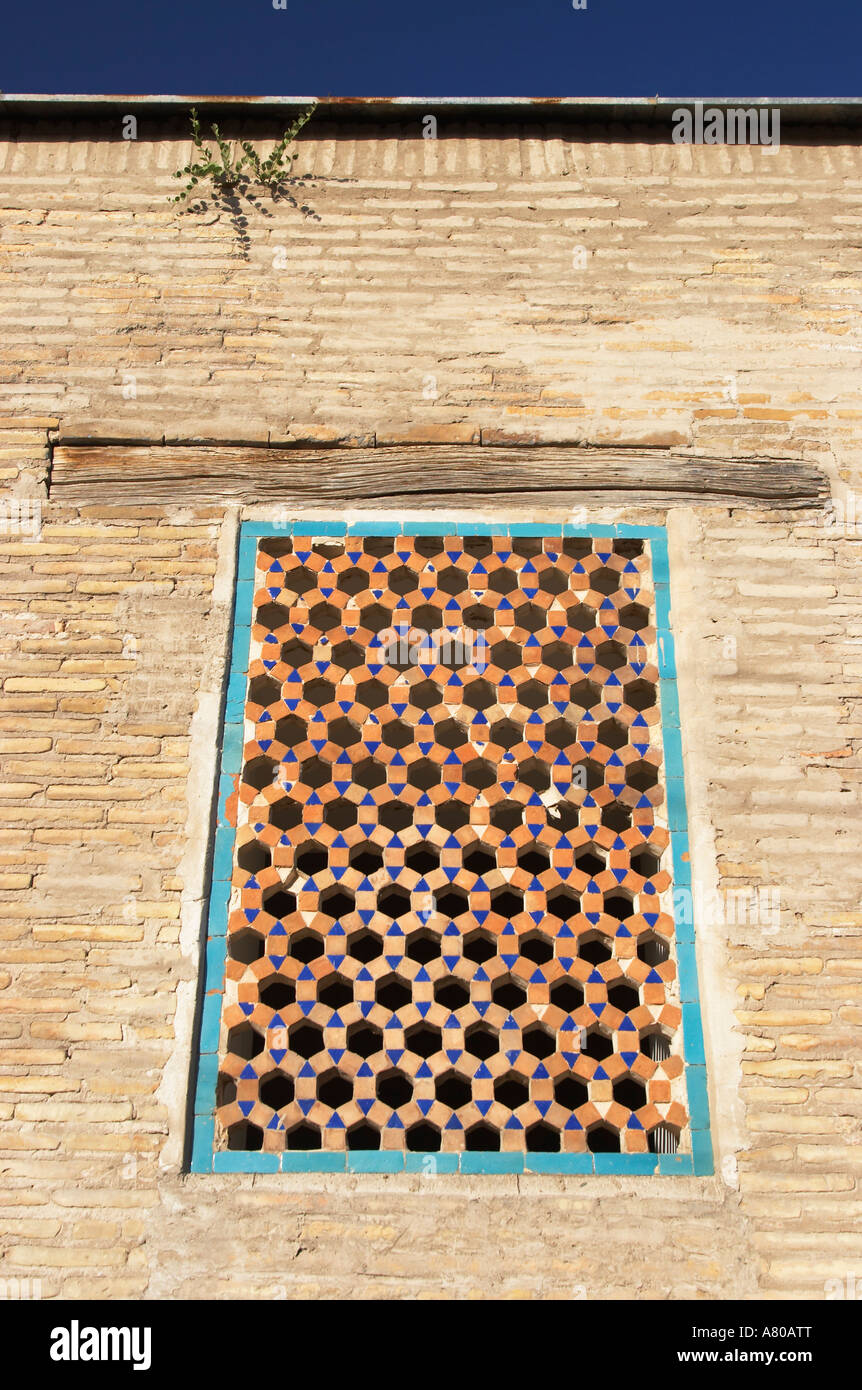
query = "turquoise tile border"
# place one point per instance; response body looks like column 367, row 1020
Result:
column 203, row 1157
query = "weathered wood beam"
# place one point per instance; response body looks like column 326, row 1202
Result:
column 434, row 475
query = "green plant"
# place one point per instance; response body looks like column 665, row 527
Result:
column 229, row 171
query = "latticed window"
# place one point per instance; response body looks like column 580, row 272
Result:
column 451, row 833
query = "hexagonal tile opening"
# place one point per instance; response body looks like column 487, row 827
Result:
column 594, row 948
column 395, row 816
column 311, row 859
column 655, row 1044
column 245, row 1041
column 365, row 1039
column 245, row 1136
column 641, row 776
column 368, row 773
column 589, row 860
column 366, row 859
column 619, row 906
column 507, row 902
column 481, row 1138
column 246, row 946
column 543, row 1138
column 451, row 993
column 423, row 946
column 538, row 1041
column 259, row 773
column 567, row 995
column 537, row 947
column 639, row 695
column 303, row 1137
column 397, row 734
column 481, row 1041
column 479, row 773
column 423, row 774
column 564, row 904
column 533, row 860
column 296, row 653
column 630, row 1092
column 601, row 1139
column 652, row 949
column 291, row 730
column 279, row 903
column 335, row 992
column 423, row 1040
column 392, row 992
column 570, row 1092
column 506, row 733
column 480, row 694
column 561, row 733
column 451, row 902
column 363, row 1136
column 634, row 616
column 597, row 1045
column 511, row 1090
column 508, row 993
column 339, row 814
column 586, row 695
column 422, row 1138
column 393, row 902
column 305, row 1039
column 372, row 693
column 305, row 946
column 252, row 857
column 479, row 947
column 394, row 1089
column 613, row 734
column 277, row 993
column 276, row 1090
column 507, row 816
column 623, row 995
column 342, row 733
column 364, row 946
column 263, row 690
column 646, row 862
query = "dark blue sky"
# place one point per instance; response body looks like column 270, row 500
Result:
column 714, row 48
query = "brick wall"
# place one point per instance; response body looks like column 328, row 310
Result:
column 421, row 290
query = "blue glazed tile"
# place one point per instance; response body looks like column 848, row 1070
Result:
column 701, row 1149
column 666, row 656
column 375, row 528
column 430, row 1164
column 660, row 565
column 237, row 1162
column 232, row 742
column 217, row 922
column 371, row 1162
column 582, row 532
column 247, row 559
column 698, row 1099
column 492, row 1163
column 205, row 1091
column 202, row 1144
column 525, row 529
column 620, row 1165
column 692, row 1035
column 669, row 705
column 561, row 1164
column 223, row 855
column 215, row 963
column 211, row 1022
column 481, row 528
column 688, row 977
column 319, row 528
column 297, row 1162
column 675, row 1165
column 427, row 528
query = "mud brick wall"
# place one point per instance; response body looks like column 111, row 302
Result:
column 424, row 291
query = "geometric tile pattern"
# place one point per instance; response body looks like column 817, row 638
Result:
column 450, row 926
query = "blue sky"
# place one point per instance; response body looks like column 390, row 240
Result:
column 435, row 47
